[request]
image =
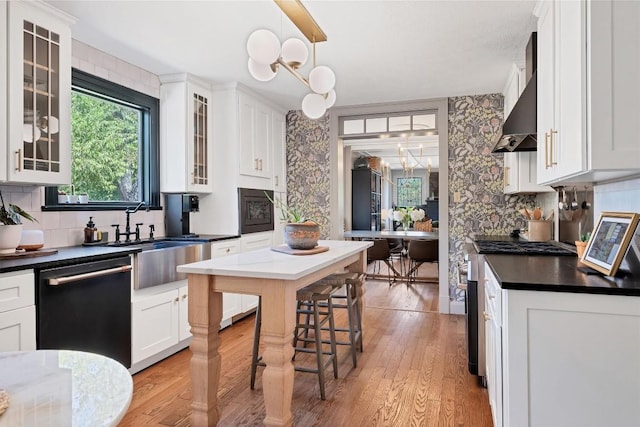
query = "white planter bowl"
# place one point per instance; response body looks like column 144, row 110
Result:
column 10, row 236
column 31, row 240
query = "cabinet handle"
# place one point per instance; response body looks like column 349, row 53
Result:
column 492, row 296
column 177, row 299
column 255, row 164
column 276, row 177
column 506, row 175
column 551, row 162
column 260, row 164
column 19, row 160
column 486, row 316
column 57, row 281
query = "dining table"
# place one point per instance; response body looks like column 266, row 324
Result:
column 395, row 234
column 275, row 276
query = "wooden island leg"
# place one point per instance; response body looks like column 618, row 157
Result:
column 205, row 313
column 360, row 266
column 278, row 318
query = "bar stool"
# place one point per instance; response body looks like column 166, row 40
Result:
column 349, row 301
column 308, row 305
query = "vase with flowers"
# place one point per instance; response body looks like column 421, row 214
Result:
column 406, row 216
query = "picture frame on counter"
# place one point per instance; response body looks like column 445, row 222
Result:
column 609, row 241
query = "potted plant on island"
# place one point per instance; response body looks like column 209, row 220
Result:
column 299, row 231
column 11, row 226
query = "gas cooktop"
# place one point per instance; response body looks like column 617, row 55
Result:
column 519, row 248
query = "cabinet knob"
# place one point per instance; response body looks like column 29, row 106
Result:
column 177, row 299
column 184, row 296
column 227, row 250
column 486, row 316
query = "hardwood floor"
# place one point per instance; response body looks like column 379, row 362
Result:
column 413, row 372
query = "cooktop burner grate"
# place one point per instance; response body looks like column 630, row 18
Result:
column 519, row 248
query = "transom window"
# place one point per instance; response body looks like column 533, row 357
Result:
column 390, row 124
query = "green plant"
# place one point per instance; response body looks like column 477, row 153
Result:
column 289, row 214
column 12, row 214
column 585, row 237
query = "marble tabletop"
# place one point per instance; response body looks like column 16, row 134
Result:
column 63, row 388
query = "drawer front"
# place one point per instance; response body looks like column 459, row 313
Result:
column 17, row 290
column 225, row 248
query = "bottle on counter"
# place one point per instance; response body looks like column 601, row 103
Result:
column 90, row 231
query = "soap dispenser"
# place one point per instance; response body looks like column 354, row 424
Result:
column 90, row 231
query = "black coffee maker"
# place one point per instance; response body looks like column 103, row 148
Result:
column 177, row 209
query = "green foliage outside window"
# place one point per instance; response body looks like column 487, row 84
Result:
column 105, row 148
column 409, row 191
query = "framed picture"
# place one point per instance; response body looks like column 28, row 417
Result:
column 609, row 241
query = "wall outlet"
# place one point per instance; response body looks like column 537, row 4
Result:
column 456, row 197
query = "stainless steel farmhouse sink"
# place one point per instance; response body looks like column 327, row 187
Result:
column 157, row 262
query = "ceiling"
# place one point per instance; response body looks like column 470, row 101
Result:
column 380, row 51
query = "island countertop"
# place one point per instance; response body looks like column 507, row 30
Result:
column 556, row 274
column 267, row 263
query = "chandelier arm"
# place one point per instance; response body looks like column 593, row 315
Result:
column 290, row 69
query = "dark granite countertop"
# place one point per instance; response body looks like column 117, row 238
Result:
column 556, row 274
column 67, row 256
column 76, row 254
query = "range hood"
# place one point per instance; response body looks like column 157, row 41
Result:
column 519, row 131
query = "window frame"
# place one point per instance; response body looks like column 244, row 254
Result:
column 398, row 185
column 149, row 171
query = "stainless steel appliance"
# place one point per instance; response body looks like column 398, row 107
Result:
column 178, row 207
column 86, row 307
column 474, row 297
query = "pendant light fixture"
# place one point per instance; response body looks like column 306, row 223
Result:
column 266, row 55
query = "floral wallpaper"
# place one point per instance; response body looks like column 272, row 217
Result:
column 477, row 175
column 308, row 167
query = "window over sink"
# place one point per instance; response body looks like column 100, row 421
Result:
column 114, row 149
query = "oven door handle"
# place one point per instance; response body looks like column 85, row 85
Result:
column 68, row 279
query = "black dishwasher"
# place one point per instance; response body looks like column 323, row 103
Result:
column 86, row 307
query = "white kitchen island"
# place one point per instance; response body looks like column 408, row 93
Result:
column 275, row 276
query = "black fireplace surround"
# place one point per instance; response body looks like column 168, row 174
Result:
column 256, row 211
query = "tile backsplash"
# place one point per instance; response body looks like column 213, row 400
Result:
column 621, row 196
column 63, row 229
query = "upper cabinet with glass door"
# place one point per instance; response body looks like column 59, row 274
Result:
column 186, row 124
column 39, row 94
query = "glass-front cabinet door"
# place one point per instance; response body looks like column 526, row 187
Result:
column 39, row 86
column 198, row 148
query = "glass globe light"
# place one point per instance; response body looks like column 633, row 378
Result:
column 330, row 99
column 263, row 47
column 313, row 106
column 294, row 52
column 50, row 124
column 322, row 79
column 30, row 133
column 260, row 72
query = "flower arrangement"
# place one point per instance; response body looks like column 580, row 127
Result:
column 406, row 216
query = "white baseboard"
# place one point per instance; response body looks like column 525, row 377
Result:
column 456, row 307
column 444, row 304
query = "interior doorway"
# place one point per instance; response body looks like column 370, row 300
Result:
column 342, row 163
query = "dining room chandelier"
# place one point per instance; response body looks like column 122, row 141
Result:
column 408, row 160
column 266, row 55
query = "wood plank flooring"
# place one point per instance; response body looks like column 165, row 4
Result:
column 413, row 372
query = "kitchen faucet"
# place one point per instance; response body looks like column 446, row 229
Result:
column 127, row 230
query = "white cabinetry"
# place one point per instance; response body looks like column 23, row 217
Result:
column 563, row 359
column 588, row 103
column 186, row 123
column 278, row 131
column 255, row 137
column 159, row 323
column 17, row 311
column 520, row 168
column 231, row 303
column 493, row 344
column 38, row 147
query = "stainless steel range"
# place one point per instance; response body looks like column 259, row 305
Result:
column 474, row 254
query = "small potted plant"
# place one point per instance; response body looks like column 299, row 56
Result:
column 11, row 226
column 62, row 197
column 581, row 244
column 299, row 231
